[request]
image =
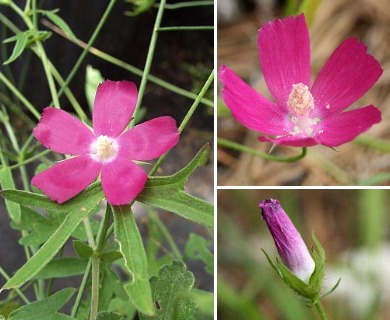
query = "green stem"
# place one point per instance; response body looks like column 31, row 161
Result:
column 186, row 4
column 88, row 46
column 130, row 68
column 186, row 118
column 37, row 156
column 321, row 311
column 95, row 287
column 379, row 144
column 20, row 293
column 41, row 49
column 239, row 147
column 100, row 241
column 19, row 95
column 149, row 59
column 186, row 28
column 80, row 293
column 165, row 232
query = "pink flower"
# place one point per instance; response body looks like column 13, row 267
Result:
column 292, row 249
column 105, row 150
column 304, row 115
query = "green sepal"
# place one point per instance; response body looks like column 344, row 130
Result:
column 309, row 293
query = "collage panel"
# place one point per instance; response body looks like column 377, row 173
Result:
column 106, row 160
column 303, row 93
column 344, row 231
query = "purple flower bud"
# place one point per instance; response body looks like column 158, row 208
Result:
column 288, row 241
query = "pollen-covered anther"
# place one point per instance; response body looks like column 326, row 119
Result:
column 300, row 101
column 104, row 148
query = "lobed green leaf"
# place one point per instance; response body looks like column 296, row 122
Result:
column 167, row 193
column 172, row 293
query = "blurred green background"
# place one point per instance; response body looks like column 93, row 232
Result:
column 352, row 226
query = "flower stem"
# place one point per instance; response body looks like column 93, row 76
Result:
column 95, row 287
column 100, row 241
column 321, row 310
column 130, row 68
column 186, row 28
column 186, row 118
column 87, row 47
column 239, row 147
column 149, row 59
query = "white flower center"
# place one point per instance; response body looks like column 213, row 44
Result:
column 300, row 101
column 104, row 149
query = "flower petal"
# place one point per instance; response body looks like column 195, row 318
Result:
column 63, row 133
column 122, row 181
column 67, row 178
column 284, row 50
column 148, row 140
column 344, row 127
column 345, row 77
column 250, row 108
column 293, row 141
column 113, row 107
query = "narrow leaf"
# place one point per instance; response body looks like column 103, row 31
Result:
column 29, row 199
column 57, row 20
column 83, row 250
column 42, row 309
column 20, row 45
column 130, row 245
column 61, row 268
column 7, row 182
column 55, row 242
column 167, row 193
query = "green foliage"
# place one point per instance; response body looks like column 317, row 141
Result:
column 139, row 6
column 7, row 182
column 61, row 268
column 172, row 293
column 198, row 248
column 130, row 245
column 109, row 316
column 45, row 309
column 78, row 207
column 60, row 23
column 167, row 193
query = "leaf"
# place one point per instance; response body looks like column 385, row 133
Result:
column 79, row 208
column 204, row 301
column 197, row 247
column 21, row 42
column 92, row 193
column 83, row 250
column 109, row 316
column 7, row 182
column 130, row 245
column 139, row 6
column 61, row 268
column 44, row 309
column 60, row 23
column 167, row 193
column 93, row 78
column 172, row 293
column 37, row 227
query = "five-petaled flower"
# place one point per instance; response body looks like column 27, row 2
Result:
column 291, row 247
column 304, row 115
column 107, row 150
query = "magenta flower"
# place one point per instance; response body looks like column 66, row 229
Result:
column 292, row 249
column 105, row 150
column 304, row 115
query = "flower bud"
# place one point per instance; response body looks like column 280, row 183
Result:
column 288, row 241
